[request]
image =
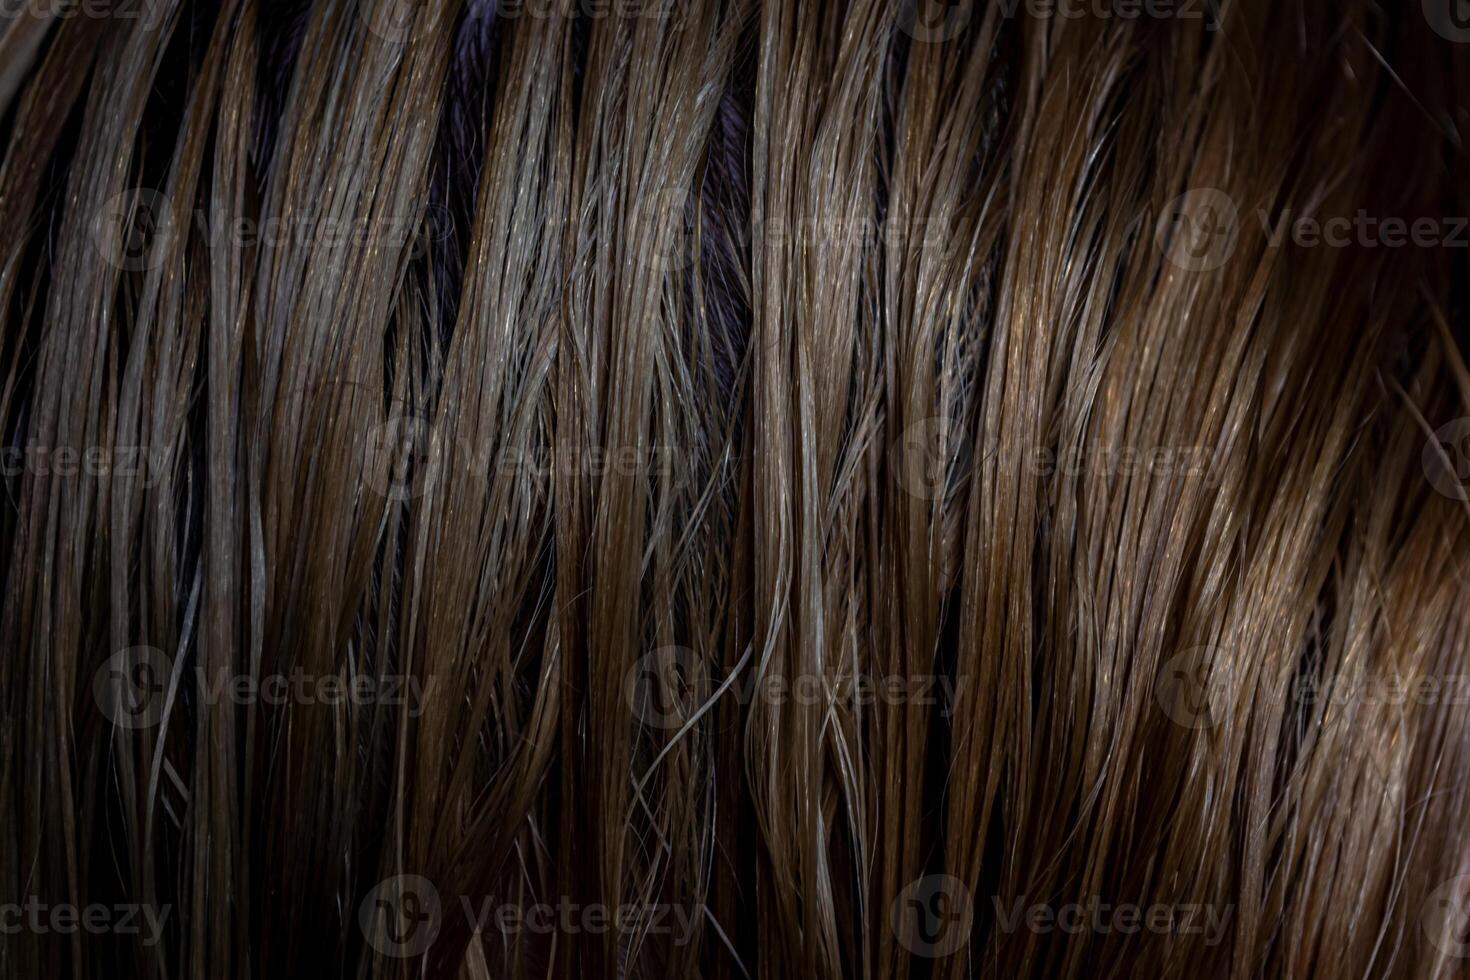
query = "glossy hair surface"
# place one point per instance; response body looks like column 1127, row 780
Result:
column 734, row 488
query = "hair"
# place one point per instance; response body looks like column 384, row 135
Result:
column 732, row 489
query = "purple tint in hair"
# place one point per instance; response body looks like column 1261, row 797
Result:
column 725, row 192
column 283, row 24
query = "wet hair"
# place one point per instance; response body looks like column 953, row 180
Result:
column 721, row 489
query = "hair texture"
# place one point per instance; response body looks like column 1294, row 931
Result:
column 734, row 489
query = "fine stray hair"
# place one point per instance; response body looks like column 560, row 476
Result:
column 733, row 489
